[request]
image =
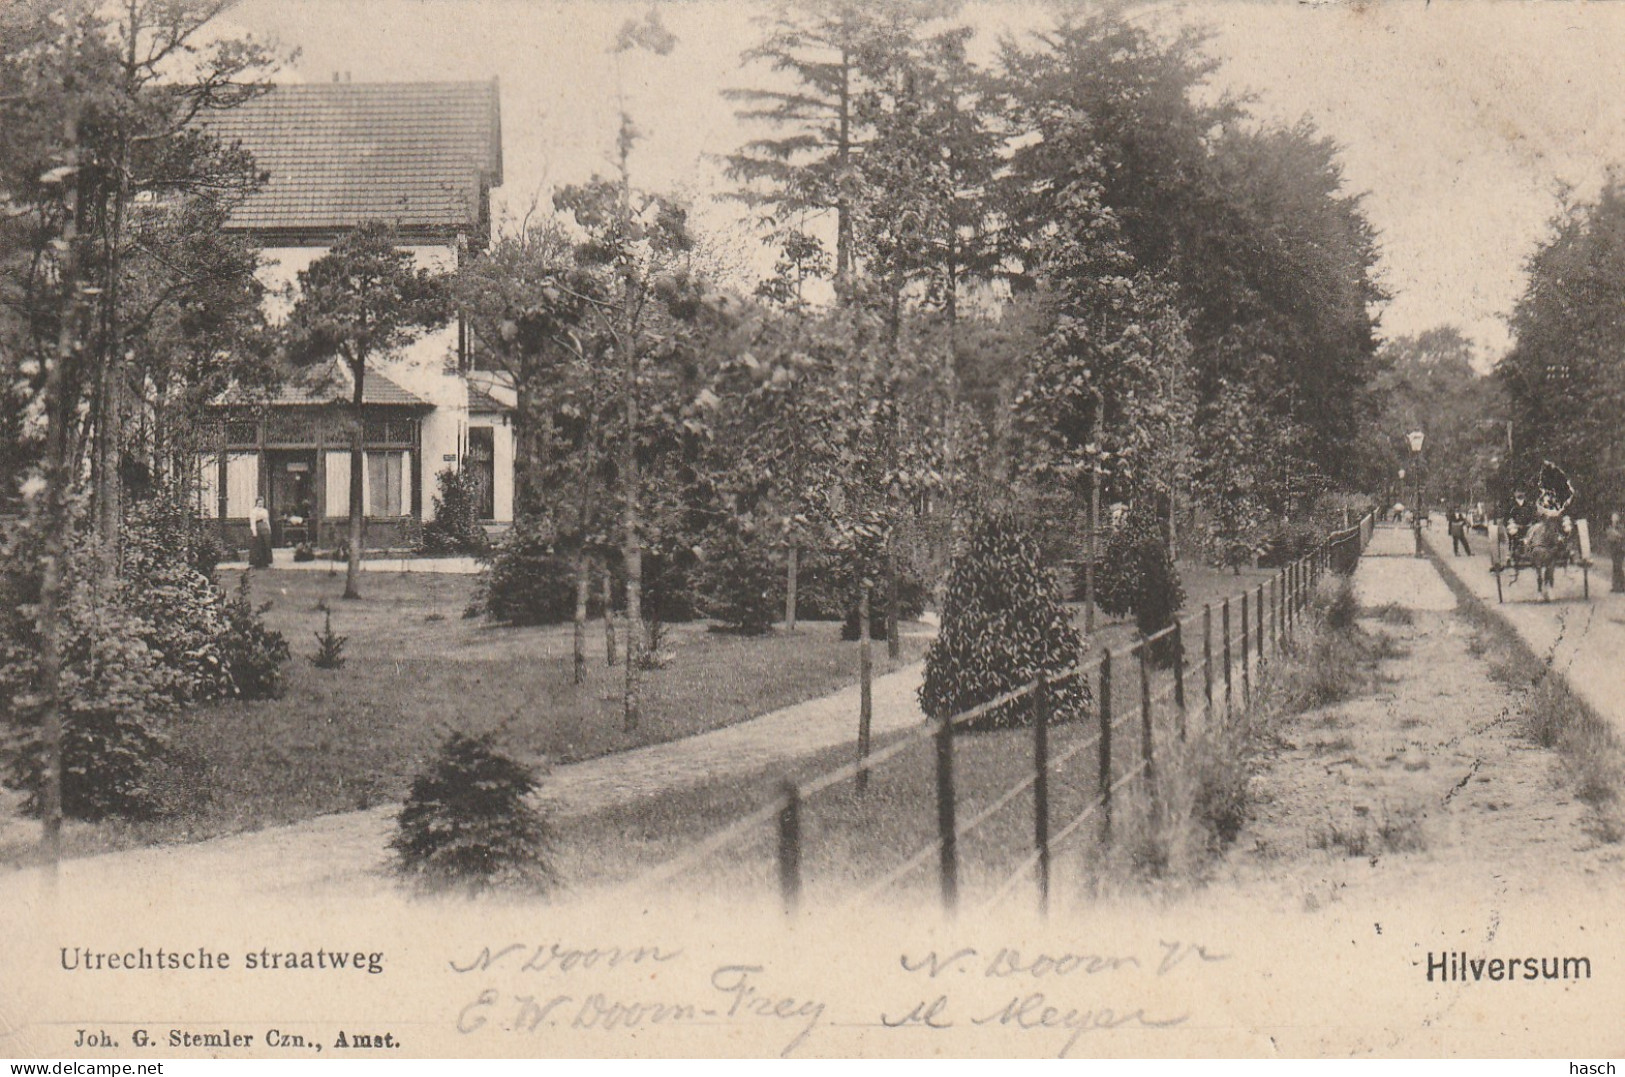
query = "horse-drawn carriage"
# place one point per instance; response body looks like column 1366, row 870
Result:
column 1542, row 537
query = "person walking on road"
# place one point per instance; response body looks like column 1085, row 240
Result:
column 1458, row 534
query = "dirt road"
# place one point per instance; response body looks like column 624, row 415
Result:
column 1422, row 787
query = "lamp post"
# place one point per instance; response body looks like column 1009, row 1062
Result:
column 1415, row 439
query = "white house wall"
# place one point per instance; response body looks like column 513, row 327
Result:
column 427, row 368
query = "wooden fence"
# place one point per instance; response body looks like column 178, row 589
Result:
column 1134, row 701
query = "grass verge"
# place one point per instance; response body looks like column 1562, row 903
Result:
column 1206, row 791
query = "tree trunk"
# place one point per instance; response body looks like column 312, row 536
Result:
column 633, row 542
column 843, row 206
column 609, row 618
column 55, row 517
column 791, row 556
column 108, row 487
column 352, row 571
column 894, row 645
column 583, row 585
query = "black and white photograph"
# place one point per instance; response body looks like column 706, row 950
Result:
column 812, row 528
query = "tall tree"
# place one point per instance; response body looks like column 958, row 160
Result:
column 820, row 54
column 1268, row 254
column 1565, row 375
column 96, row 106
column 362, row 300
column 1428, row 383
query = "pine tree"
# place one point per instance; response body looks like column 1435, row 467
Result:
column 467, row 822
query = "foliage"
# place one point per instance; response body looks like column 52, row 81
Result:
column 100, row 110
column 739, row 582
column 361, row 300
column 1250, row 226
column 183, row 614
column 329, row 646
column 1427, row 382
column 911, row 596
column 254, row 655
column 526, row 582
column 468, row 824
column 114, row 690
column 1564, row 382
column 456, row 528
column 1136, row 575
column 1002, row 624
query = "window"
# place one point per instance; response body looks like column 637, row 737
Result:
column 386, row 474
column 242, row 483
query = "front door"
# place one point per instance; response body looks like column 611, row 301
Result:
column 293, row 496
column 482, row 465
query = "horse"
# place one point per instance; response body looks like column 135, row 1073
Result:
column 1545, row 546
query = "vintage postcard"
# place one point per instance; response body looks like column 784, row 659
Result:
column 811, row 528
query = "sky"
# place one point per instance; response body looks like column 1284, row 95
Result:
column 1459, row 120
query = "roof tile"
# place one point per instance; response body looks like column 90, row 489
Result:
column 417, row 154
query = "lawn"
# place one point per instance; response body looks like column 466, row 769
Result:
column 414, row 668
column 850, row 841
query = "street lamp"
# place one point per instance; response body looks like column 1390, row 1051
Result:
column 1415, row 438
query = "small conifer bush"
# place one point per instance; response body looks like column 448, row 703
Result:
column 1003, row 623
column 467, row 823
column 329, row 646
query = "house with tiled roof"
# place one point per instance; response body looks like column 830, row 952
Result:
column 423, row 157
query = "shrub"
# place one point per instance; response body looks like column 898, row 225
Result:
column 329, row 647
column 739, row 582
column 669, row 587
column 456, row 529
column 467, row 824
column 526, row 582
column 1137, row 576
column 114, row 687
column 1002, row 624
column 254, row 654
column 182, row 613
column 911, row 596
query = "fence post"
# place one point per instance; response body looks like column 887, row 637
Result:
column 1105, row 709
column 790, row 846
column 1291, row 598
column 1275, row 616
column 1145, row 718
column 1258, row 620
column 949, row 863
column 1224, row 627
column 1041, row 717
column 866, row 691
column 1207, row 661
column 1246, row 656
column 1179, row 674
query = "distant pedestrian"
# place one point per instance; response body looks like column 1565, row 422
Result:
column 1616, row 550
column 1458, row 534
